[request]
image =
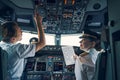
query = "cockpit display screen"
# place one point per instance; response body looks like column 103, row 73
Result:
column 58, row 66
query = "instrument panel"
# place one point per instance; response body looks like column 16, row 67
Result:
column 62, row 16
column 48, row 67
column 59, row 16
column 49, row 64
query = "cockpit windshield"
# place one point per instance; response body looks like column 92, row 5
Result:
column 51, row 39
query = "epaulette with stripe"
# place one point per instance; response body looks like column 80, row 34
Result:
column 83, row 54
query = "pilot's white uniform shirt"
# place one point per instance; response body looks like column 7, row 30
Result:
column 85, row 65
column 16, row 55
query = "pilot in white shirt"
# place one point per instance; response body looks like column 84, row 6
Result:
column 85, row 62
column 17, row 52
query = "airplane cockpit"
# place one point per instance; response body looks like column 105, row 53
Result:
column 63, row 23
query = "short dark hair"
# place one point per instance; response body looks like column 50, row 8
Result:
column 8, row 30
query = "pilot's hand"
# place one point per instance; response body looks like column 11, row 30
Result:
column 75, row 56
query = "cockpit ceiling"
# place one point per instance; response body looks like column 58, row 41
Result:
column 59, row 16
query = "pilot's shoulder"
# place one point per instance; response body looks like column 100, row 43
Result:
column 83, row 54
